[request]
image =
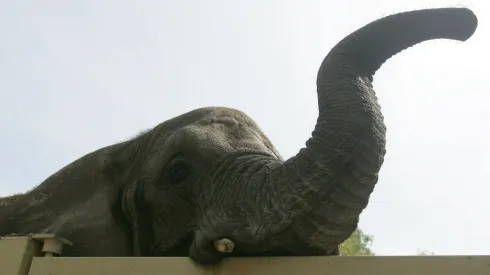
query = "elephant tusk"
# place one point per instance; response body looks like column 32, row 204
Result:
column 224, row 245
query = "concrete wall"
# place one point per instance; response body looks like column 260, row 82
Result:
column 39, row 255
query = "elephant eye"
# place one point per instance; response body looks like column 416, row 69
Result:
column 178, row 171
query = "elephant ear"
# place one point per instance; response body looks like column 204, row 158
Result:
column 118, row 167
column 138, row 214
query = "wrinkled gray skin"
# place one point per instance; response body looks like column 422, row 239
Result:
column 212, row 173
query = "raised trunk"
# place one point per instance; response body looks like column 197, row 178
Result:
column 337, row 171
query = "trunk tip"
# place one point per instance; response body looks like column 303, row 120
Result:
column 469, row 22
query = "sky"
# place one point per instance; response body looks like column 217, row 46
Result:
column 76, row 76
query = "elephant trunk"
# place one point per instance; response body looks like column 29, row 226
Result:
column 324, row 188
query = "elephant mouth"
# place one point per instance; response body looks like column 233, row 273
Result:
column 180, row 249
column 184, row 248
column 207, row 255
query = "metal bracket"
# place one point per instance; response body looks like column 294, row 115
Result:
column 52, row 244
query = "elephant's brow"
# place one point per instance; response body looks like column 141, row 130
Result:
column 226, row 121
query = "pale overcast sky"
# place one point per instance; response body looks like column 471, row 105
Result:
column 79, row 75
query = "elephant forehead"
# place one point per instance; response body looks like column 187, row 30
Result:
column 224, row 135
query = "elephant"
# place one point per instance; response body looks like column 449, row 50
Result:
column 209, row 184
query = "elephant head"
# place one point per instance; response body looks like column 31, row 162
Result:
column 212, row 174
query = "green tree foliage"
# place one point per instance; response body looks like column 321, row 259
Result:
column 358, row 244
